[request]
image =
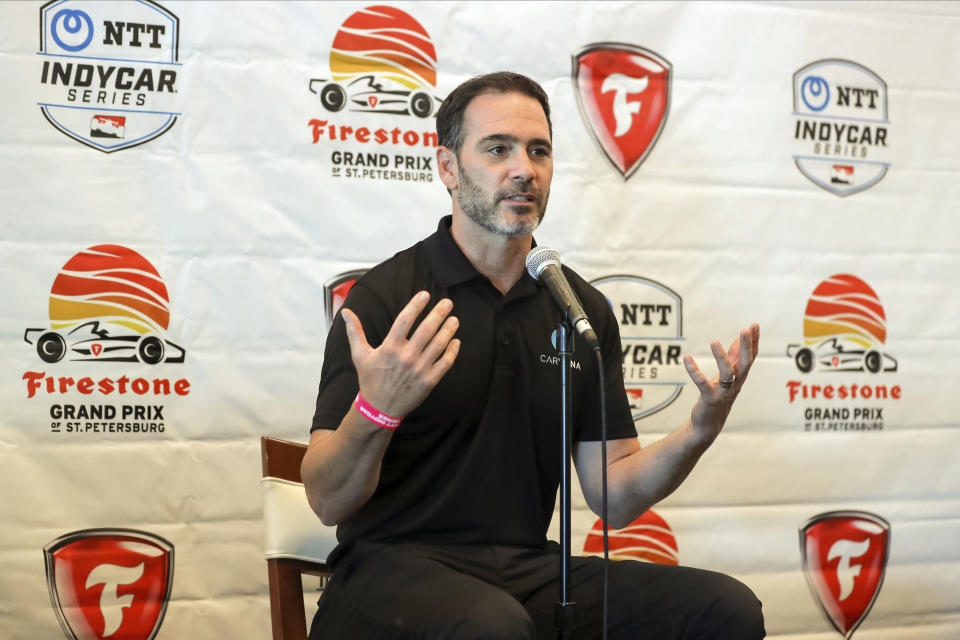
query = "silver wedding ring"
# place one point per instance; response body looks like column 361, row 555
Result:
column 726, row 384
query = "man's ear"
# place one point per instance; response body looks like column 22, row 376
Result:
column 448, row 168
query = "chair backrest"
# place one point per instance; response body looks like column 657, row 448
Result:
column 296, row 541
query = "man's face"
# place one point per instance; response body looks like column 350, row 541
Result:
column 506, row 164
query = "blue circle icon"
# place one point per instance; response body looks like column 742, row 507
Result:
column 71, row 20
column 815, row 93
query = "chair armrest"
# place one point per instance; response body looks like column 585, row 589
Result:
column 293, row 530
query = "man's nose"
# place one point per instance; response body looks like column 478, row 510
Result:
column 522, row 169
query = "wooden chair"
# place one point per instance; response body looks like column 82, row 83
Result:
column 296, row 541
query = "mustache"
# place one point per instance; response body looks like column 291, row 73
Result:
column 517, row 189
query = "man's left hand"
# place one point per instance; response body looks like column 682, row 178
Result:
column 717, row 394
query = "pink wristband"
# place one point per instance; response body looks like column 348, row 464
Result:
column 374, row 416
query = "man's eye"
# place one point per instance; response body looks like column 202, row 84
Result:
column 541, row 152
column 498, row 150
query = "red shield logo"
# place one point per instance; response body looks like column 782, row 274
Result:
column 109, row 583
column 624, row 96
column 96, row 348
column 844, row 558
column 335, row 292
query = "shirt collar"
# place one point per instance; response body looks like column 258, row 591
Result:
column 447, row 261
column 450, row 267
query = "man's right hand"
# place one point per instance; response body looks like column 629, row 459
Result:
column 341, row 467
column 397, row 375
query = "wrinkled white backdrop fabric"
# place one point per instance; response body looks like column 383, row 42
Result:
column 245, row 217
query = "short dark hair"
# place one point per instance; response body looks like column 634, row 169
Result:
column 450, row 115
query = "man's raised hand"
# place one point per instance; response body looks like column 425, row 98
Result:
column 397, row 375
column 717, row 396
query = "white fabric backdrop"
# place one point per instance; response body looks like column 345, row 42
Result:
column 238, row 210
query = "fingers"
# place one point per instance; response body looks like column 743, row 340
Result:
column 428, row 329
column 747, row 354
column 440, row 341
column 695, row 374
column 733, row 364
column 748, row 347
column 441, row 366
column 723, row 364
column 407, row 316
column 430, row 342
column 356, row 338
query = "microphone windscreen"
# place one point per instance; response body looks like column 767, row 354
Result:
column 540, row 257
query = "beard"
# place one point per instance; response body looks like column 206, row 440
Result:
column 483, row 210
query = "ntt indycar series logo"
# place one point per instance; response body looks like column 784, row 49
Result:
column 841, row 125
column 108, row 71
column 651, row 333
column 109, row 309
column 378, row 101
column 843, row 349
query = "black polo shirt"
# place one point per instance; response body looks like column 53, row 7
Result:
column 478, row 462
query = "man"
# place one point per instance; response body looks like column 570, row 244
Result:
column 435, row 444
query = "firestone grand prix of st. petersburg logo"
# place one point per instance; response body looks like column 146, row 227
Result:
column 109, row 583
column 844, row 332
column 108, row 306
column 650, row 315
column 624, row 96
column 841, row 125
column 108, row 71
column 648, row 538
column 844, row 559
column 379, row 95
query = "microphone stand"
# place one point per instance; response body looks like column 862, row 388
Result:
column 563, row 612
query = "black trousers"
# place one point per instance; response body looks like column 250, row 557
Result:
column 415, row 592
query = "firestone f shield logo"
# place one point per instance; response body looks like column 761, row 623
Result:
column 109, row 583
column 335, row 292
column 624, row 96
column 844, row 559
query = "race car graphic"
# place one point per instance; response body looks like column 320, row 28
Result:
column 832, row 355
column 107, row 126
column 88, row 341
column 844, row 329
column 368, row 93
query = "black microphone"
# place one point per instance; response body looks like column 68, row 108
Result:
column 543, row 264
